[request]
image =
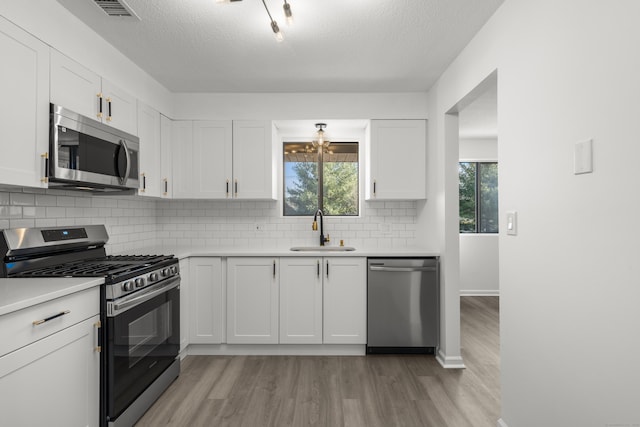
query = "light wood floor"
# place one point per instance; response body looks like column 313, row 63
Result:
column 372, row 391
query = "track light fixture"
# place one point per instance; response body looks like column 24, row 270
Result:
column 274, row 25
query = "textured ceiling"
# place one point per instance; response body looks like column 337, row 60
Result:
column 333, row 45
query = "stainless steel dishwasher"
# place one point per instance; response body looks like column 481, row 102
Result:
column 403, row 305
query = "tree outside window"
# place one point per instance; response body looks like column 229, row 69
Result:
column 326, row 180
column 478, row 197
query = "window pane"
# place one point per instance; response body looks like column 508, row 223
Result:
column 340, row 179
column 488, row 197
column 300, row 179
column 467, row 189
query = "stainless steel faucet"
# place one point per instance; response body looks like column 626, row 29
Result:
column 315, row 227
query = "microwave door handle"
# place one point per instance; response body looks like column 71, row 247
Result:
column 123, row 179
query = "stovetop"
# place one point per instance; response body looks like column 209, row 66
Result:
column 113, row 267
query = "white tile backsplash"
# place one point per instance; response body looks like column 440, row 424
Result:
column 233, row 223
column 135, row 222
column 50, row 208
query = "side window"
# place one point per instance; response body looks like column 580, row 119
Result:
column 478, row 194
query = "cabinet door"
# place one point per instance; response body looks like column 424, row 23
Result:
column 345, row 300
column 120, row 108
column 300, row 300
column 185, row 303
column 206, row 311
column 150, row 152
column 166, row 181
column 397, row 160
column 54, row 381
column 253, row 160
column 74, row 87
column 252, row 301
column 202, row 163
column 24, row 110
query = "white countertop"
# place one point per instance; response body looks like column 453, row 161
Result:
column 185, row 252
column 16, row 294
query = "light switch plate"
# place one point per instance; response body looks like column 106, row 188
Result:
column 512, row 223
column 583, row 157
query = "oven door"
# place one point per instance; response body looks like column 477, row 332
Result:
column 143, row 339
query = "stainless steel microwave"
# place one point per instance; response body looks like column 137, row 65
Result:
column 85, row 154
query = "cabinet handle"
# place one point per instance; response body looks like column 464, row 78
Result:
column 235, row 188
column 318, row 268
column 46, row 319
column 166, row 186
column 99, row 95
column 45, row 175
column 227, row 193
column 374, row 188
column 97, row 326
column 144, row 182
column 327, row 268
column 109, row 110
column 274, row 268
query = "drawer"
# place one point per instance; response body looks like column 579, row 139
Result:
column 17, row 329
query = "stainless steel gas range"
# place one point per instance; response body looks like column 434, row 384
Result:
column 140, row 309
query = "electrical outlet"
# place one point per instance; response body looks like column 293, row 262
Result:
column 259, row 227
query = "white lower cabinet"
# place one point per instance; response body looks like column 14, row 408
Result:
column 345, row 300
column 55, row 380
column 300, row 300
column 206, row 296
column 184, row 304
column 252, row 300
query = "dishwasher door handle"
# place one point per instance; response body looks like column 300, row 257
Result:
column 380, row 268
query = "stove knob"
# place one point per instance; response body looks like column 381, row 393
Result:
column 153, row 277
column 173, row 270
column 127, row 286
column 165, row 272
column 139, row 282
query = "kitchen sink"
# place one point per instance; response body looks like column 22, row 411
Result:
column 323, row 248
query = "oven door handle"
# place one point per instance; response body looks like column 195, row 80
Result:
column 153, row 291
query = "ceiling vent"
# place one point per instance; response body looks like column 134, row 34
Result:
column 116, row 8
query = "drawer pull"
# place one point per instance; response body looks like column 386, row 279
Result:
column 41, row 321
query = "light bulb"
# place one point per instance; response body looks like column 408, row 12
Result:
column 276, row 31
column 287, row 12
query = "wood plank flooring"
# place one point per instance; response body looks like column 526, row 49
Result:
column 372, row 391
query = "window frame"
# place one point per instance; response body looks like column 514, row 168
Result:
column 477, row 189
column 360, row 184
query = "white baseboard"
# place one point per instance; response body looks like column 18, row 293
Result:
column 450, row 362
column 276, row 350
column 480, row 293
column 501, row 423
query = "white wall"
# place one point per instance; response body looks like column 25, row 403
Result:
column 479, row 252
column 567, row 71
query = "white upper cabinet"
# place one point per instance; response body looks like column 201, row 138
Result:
column 150, row 151
column 24, row 110
column 221, row 159
column 202, row 154
column 82, row 91
column 397, row 160
column 166, row 157
column 253, row 160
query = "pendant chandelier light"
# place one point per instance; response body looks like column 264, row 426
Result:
column 286, row 7
column 321, row 142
